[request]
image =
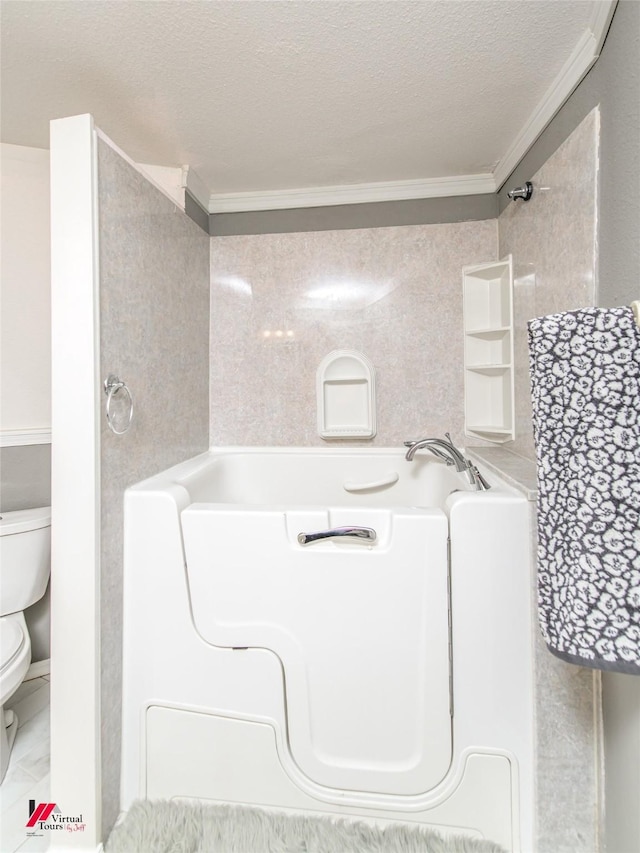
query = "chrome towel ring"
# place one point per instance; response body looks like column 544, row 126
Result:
column 112, row 387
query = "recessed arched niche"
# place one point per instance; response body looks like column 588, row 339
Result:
column 346, row 396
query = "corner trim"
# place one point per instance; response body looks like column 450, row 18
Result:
column 17, row 437
column 352, row 194
column 140, row 168
column 168, row 178
column 76, row 762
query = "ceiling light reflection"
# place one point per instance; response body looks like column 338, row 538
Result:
column 347, row 293
column 279, row 335
column 234, row 283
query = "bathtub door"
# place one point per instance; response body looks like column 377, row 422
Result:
column 361, row 631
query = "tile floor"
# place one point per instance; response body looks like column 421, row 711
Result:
column 28, row 772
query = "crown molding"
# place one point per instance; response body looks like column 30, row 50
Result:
column 600, row 21
column 351, row 194
column 583, row 56
column 195, row 186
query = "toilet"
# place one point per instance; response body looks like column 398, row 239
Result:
column 25, row 563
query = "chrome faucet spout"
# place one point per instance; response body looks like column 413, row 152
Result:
column 439, row 453
column 442, row 448
column 445, row 449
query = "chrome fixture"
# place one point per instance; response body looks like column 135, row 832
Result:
column 359, row 534
column 445, row 449
column 523, row 193
column 113, row 388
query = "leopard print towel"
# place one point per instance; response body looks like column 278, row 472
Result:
column 585, row 378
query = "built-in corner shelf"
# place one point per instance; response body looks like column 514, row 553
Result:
column 487, row 294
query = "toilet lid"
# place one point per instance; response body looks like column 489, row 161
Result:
column 11, row 641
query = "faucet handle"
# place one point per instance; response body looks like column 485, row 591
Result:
column 478, row 480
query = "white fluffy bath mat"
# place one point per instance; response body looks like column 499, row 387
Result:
column 178, row 827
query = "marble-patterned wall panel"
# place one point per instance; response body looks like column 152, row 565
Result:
column 553, row 241
column 568, row 721
column 393, row 293
column 154, row 334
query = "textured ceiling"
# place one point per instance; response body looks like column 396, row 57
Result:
column 280, row 94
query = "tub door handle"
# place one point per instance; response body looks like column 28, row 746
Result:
column 359, row 534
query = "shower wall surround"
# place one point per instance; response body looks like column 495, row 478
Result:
column 154, row 334
column 613, row 83
column 281, row 302
column 553, row 241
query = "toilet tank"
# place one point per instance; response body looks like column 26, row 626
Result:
column 25, row 557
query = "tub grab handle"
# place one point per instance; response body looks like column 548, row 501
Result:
column 387, row 480
column 360, row 534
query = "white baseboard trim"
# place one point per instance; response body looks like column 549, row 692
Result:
column 17, row 437
column 38, row 669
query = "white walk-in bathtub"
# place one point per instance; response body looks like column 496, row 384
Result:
column 332, row 631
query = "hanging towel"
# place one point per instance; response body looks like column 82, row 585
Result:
column 585, row 385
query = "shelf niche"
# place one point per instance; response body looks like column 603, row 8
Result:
column 487, row 298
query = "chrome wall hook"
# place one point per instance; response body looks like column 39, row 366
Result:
column 524, row 193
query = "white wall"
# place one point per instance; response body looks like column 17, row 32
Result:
column 25, row 345
column 25, row 290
